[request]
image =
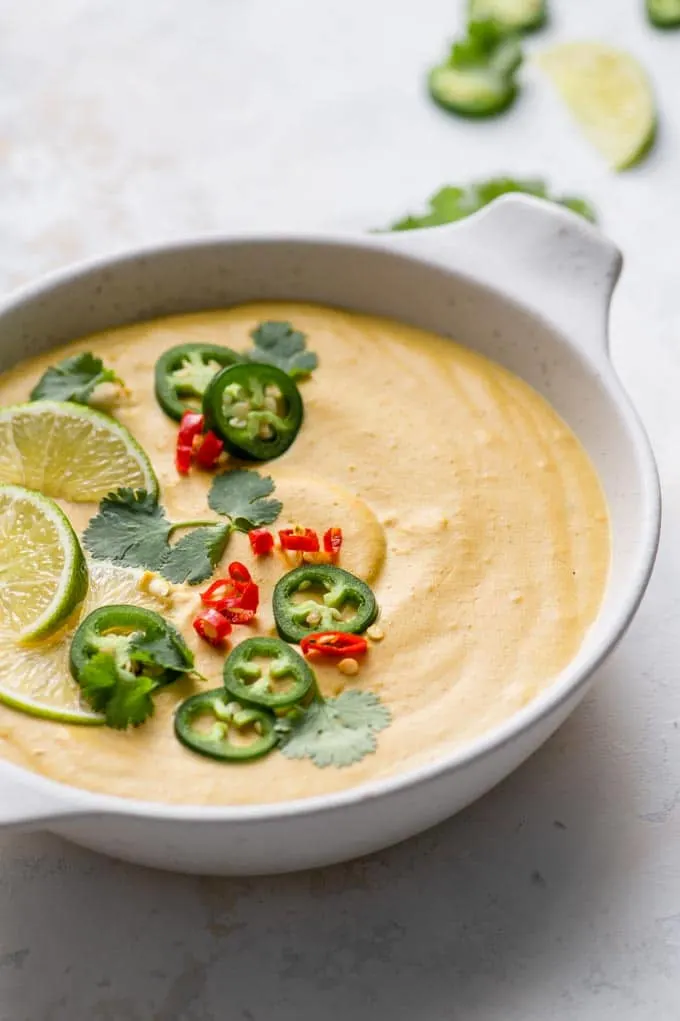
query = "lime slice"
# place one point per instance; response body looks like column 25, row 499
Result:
column 610, row 96
column 70, row 451
column 37, row 680
column 43, row 576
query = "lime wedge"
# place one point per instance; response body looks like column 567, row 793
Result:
column 37, row 679
column 609, row 94
column 43, row 576
column 70, row 451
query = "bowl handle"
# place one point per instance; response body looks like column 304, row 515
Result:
column 541, row 255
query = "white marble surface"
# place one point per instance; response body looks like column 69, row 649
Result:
column 559, row 894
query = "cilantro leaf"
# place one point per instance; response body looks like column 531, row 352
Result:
column 130, row 529
column 97, row 680
column 130, row 703
column 75, row 379
column 281, row 345
column 124, row 699
column 241, row 495
column 487, row 44
column 338, row 731
column 578, row 205
column 451, row 203
column 195, row 556
column 161, row 651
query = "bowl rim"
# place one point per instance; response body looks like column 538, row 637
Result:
column 65, row 801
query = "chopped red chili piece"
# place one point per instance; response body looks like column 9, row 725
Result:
column 250, row 597
column 304, row 539
column 238, row 615
column 238, row 592
column 332, row 541
column 212, row 627
column 239, row 572
column 208, row 449
column 219, row 593
column 183, row 459
column 334, row 643
column 261, row 541
column 190, row 427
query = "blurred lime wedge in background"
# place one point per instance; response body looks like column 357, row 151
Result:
column 609, row 95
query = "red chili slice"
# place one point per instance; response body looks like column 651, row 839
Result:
column 183, row 459
column 249, row 598
column 212, row 627
column 220, row 594
column 261, row 541
column 238, row 592
column 239, row 572
column 208, row 449
column 190, row 428
column 332, row 541
column 334, row 643
column 237, row 615
column 304, row 539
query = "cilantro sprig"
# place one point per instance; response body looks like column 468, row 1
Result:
column 336, row 731
column 132, row 529
column 278, row 343
column 487, row 44
column 455, row 203
column 74, row 379
column 120, row 679
column 125, row 700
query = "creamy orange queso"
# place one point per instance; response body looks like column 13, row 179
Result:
column 465, row 501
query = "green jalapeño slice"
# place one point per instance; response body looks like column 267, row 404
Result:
column 120, row 655
column 319, row 597
column 664, row 13
column 267, row 672
column 210, row 724
column 478, row 77
column 255, row 408
column 511, row 15
column 183, row 373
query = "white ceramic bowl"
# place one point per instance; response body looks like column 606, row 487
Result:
column 523, row 282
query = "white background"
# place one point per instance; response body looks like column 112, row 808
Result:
column 557, row 896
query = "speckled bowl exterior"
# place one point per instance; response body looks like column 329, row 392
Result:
column 525, row 283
